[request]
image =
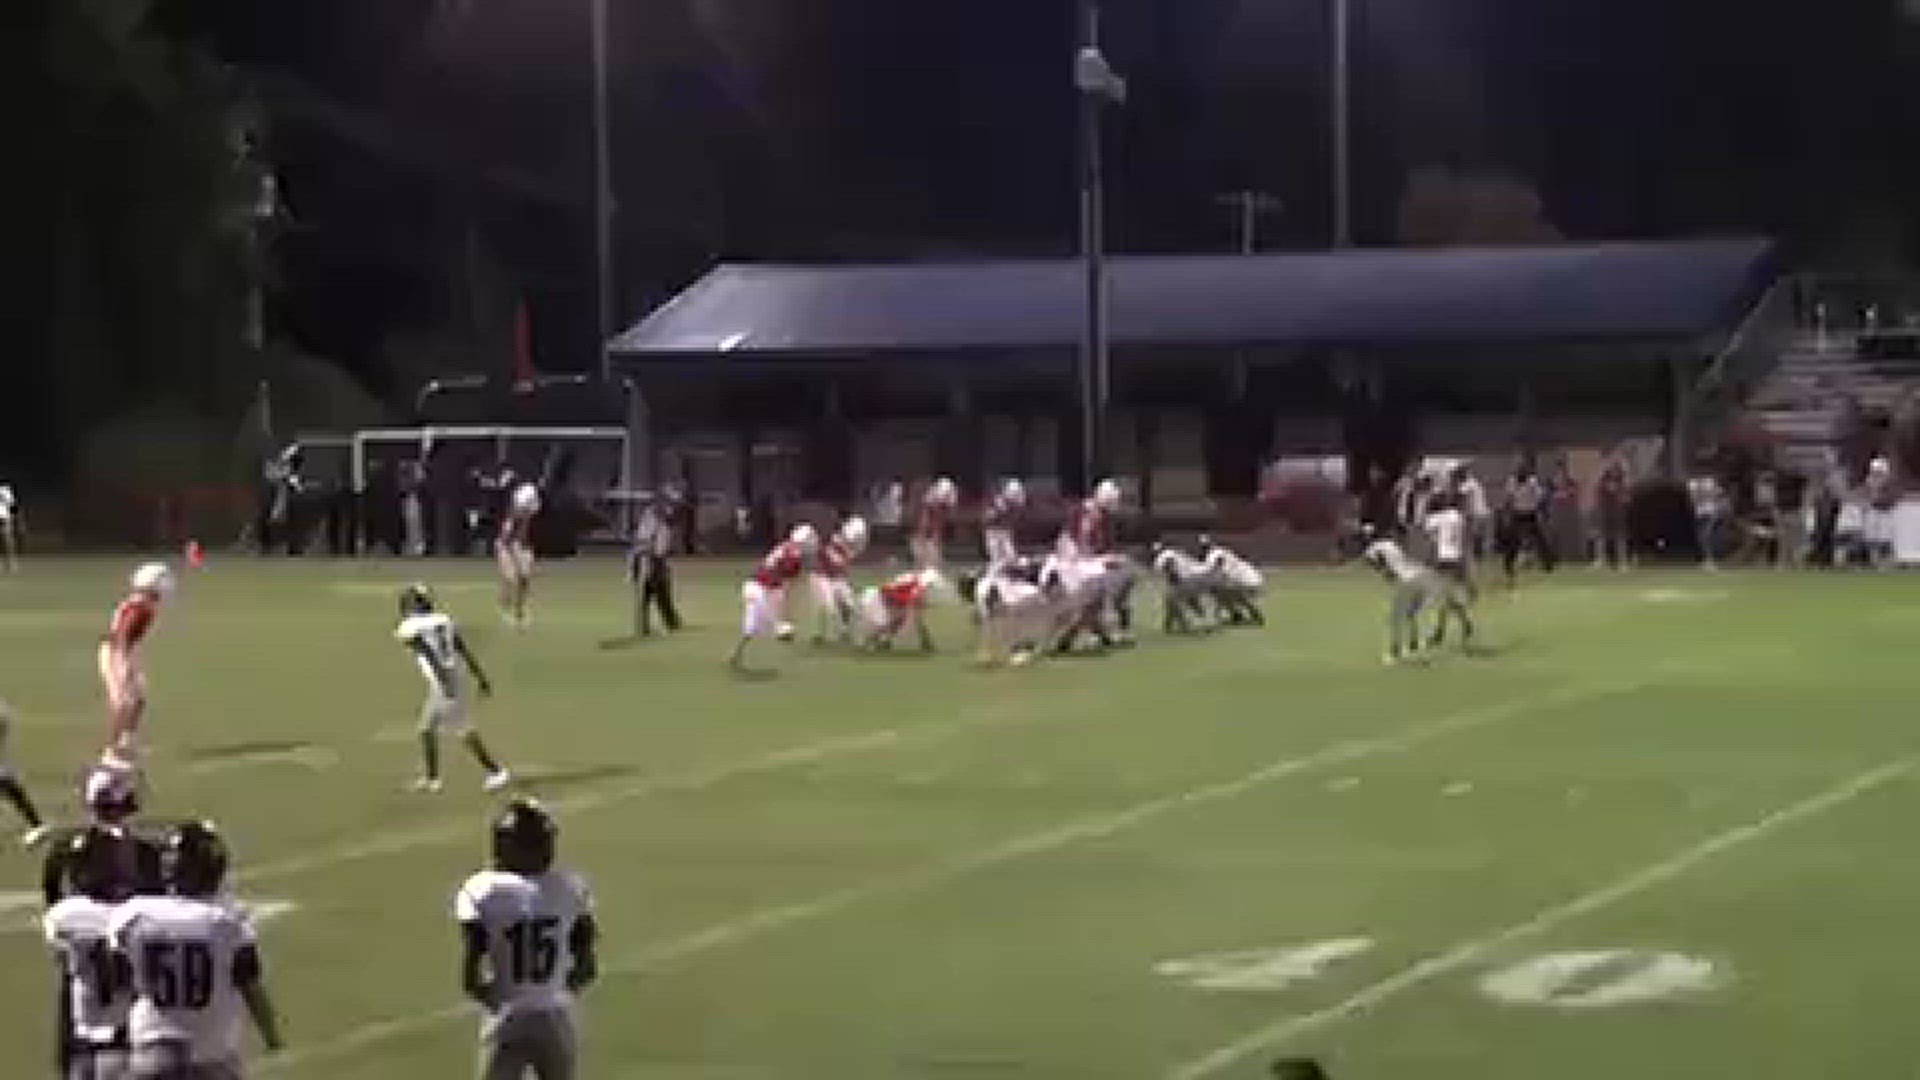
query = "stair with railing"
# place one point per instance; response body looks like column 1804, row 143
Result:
column 1799, row 403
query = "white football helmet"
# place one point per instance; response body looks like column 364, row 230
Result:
column 1014, row 491
column 853, row 532
column 805, row 536
column 944, row 492
column 153, row 578
column 1106, row 495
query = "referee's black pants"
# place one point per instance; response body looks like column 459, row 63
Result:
column 656, row 590
column 1527, row 530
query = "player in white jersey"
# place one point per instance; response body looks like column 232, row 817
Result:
column 1234, row 583
column 95, row 987
column 440, row 650
column 513, row 550
column 1415, row 586
column 1447, row 531
column 1184, row 580
column 531, row 946
column 195, row 968
column 9, row 527
column 11, row 789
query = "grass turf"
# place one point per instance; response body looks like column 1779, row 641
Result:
column 897, row 866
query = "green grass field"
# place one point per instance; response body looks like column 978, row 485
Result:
column 1691, row 794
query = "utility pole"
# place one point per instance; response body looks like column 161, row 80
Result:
column 1342, row 121
column 1099, row 88
column 603, row 316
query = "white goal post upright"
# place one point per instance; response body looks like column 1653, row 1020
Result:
column 500, row 441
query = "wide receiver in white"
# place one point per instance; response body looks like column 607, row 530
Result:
column 195, row 967
column 763, row 596
column 514, row 551
column 95, row 991
column 530, row 948
column 440, row 651
column 122, row 674
column 1415, row 587
column 832, row 594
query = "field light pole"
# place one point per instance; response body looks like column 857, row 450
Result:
column 602, row 201
column 1342, row 123
column 1099, row 88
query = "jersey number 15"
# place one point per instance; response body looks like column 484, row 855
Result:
column 534, row 945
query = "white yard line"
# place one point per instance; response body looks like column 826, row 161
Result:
column 1094, row 827
column 1478, row 949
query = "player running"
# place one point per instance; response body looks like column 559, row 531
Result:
column 122, row 674
column 195, row 966
column 1415, row 586
column 14, row 791
column 9, row 528
column 764, row 595
column 901, row 602
column 832, row 595
column 439, row 649
column 96, row 990
column 930, row 527
column 1446, row 528
column 1089, row 530
column 530, row 948
column 514, row 551
column 1001, row 523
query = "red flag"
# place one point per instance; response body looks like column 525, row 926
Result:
column 523, row 372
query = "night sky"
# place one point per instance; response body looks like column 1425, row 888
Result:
column 837, row 129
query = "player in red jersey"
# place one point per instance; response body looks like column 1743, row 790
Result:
column 122, row 674
column 930, row 527
column 901, row 602
column 765, row 593
column 832, row 596
column 1001, row 521
column 1089, row 530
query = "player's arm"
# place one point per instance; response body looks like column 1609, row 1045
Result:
column 473, row 663
column 249, row 978
column 473, row 955
column 583, row 943
column 53, row 873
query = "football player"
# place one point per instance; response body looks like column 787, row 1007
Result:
column 930, row 527
column 1234, row 583
column 1002, row 522
column 764, row 595
column 1446, row 528
column 1089, row 530
column 122, row 674
column 11, row 788
column 112, row 799
column 9, row 527
column 95, row 986
column 531, row 946
column 901, row 602
column 514, row 551
column 1185, row 579
column 440, row 650
column 1011, row 609
column 832, row 595
column 1414, row 587
column 195, row 967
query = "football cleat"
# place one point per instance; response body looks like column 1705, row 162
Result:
column 35, row 836
column 498, row 780
column 427, row 785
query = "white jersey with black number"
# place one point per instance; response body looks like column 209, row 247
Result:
column 529, row 923
column 1231, row 570
column 189, row 958
column 1447, row 529
column 433, row 637
column 79, row 929
column 7, row 503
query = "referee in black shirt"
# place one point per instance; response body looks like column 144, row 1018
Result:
column 649, row 568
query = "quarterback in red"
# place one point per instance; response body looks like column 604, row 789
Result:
column 901, row 602
column 832, row 596
column 764, row 595
column 122, row 674
column 1089, row 530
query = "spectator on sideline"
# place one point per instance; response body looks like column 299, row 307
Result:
column 1610, row 497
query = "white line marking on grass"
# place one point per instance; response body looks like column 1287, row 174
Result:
column 313, row 758
column 1602, row 978
column 1478, row 949
column 1262, row 970
column 1095, row 827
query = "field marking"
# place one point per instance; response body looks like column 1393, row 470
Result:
column 1478, row 949
column 1601, row 978
column 1262, row 970
column 311, row 758
column 1095, row 827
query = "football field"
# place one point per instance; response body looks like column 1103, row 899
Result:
column 1664, row 830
